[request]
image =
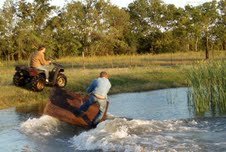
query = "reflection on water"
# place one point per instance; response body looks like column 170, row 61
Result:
column 160, row 121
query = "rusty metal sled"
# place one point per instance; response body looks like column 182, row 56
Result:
column 64, row 106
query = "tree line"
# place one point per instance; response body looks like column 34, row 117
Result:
column 97, row 27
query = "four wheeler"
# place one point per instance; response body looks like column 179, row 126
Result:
column 37, row 79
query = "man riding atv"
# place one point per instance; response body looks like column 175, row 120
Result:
column 37, row 75
column 38, row 61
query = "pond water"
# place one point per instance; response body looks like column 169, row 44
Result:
column 143, row 122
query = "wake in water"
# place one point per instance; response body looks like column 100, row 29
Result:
column 141, row 136
column 40, row 127
column 120, row 134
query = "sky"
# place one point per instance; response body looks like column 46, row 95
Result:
column 124, row 3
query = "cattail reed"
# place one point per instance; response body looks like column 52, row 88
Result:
column 208, row 87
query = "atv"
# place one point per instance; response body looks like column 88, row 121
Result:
column 37, row 79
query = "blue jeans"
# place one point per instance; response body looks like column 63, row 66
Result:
column 44, row 68
column 88, row 103
column 92, row 99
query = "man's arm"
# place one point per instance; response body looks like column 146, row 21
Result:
column 42, row 60
column 108, row 86
column 91, row 87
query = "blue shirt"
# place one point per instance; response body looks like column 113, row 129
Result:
column 100, row 86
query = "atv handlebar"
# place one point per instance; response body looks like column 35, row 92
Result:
column 57, row 64
column 53, row 62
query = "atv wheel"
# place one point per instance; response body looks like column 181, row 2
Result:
column 38, row 83
column 18, row 79
column 61, row 80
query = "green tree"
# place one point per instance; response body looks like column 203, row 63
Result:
column 30, row 25
column 209, row 17
column 6, row 30
column 194, row 26
column 96, row 27
column 150, row 19
column 219, row 30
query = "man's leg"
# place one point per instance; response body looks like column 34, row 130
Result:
column 103, row 105
column 87, row 104
column 46, row 72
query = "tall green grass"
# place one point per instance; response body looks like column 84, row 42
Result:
column 208, row 87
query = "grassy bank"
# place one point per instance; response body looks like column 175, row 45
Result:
column 123, row 80
column 122, row 61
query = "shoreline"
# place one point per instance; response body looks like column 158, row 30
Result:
column 127, row 80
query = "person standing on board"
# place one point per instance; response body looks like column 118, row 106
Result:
column 98, row 91
column 38, row 61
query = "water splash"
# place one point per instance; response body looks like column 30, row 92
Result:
column 40, row 127
column 137, row 135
